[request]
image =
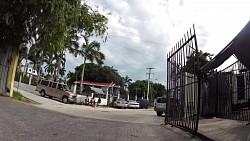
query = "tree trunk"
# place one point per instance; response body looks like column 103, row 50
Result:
column 83, row 68
column 8, row 63
column 38, row 72
column 58, row 66
column 5, row 60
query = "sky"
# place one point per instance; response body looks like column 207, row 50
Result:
column 141, row 32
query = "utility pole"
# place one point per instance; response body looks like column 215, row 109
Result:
column 149, row 74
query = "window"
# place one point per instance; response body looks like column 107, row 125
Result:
column 45, row 83
column 50, row 84
column 54, row 85
column 60, row 86
column 162, row 100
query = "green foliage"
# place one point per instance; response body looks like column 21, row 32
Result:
column 49, row 25
column 48, row 77
column 96, row 73
column 17, row 76
column 140, row 88
column 17, row 95
column 159, row 90
column 192, row 66
column 20, row 97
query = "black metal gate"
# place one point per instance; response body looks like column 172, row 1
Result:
column 183, row 84
column 233, row 92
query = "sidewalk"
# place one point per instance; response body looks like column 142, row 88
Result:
column 224, row 130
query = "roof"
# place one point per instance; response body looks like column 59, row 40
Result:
column 97, row 90
column 239, row 46
column 97, row 83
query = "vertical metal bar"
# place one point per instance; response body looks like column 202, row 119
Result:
column 167, row 75
column 199, row 83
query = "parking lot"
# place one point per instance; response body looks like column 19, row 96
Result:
column 147, row 116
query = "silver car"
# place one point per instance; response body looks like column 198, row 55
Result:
column 121, row 103
column 160, row 105
column 133, row 104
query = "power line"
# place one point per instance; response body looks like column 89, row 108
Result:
column 138, row 51
column 138, row 39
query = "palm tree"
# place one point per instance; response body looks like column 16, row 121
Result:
column 90, row 51
column 127, row 82
column 48, row 59
column 60, row 60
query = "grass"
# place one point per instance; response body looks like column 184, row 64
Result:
column 20, row 97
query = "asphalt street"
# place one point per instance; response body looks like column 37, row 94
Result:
column 24, row 122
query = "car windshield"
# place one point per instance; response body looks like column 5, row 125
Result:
column 131, row 101
column 162, row 100
column 120, row 99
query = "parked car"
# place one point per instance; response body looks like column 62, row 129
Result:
column 143, row 103
column 160, row 105
column 121, row 103
column 133, row 104
column 55, row 90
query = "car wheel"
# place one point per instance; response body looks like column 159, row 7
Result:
column 159, row 113
column 65, row 99
column 146, row 107
column 43, row 93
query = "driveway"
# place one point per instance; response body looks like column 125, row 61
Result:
column 23, row 122
column 147, row 116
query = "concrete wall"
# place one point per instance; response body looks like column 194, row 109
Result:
column 25, row 87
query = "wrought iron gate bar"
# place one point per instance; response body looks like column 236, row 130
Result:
column 183, row 84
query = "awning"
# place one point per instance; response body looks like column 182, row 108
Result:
column 97, row 90
column 239, row 46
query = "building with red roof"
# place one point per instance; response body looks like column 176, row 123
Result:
column 111, row 91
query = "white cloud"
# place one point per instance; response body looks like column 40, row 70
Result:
column 165, row 22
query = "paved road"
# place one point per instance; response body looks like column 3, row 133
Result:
column 23, row 122
column 147, row 116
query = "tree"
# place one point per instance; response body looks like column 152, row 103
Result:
column 90, row 51
column 193, row 67
column 127, row 82
column 159, row 90
column 139, row 88
column 97, row 73
column 23, row 53
column 48, row 23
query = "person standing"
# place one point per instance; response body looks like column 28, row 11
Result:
column 99, row 100
column 87, row 100
column 93, row 102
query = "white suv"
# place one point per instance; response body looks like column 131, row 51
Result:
column 160, row 105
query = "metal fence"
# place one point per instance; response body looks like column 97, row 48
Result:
column 183, row 84
column 232, row 92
